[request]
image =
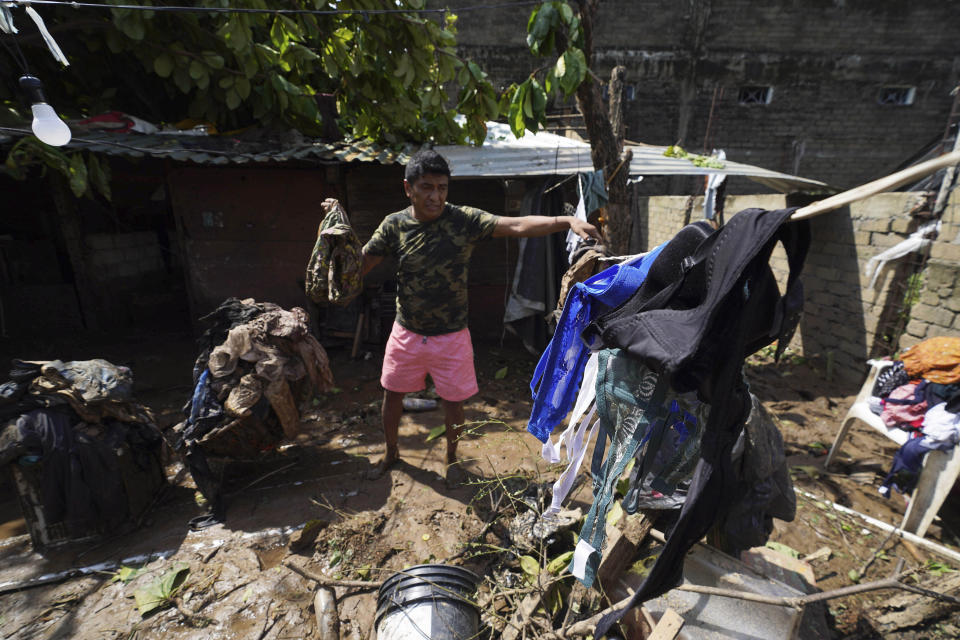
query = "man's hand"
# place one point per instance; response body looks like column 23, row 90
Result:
column 584, row 229
column 328, row 205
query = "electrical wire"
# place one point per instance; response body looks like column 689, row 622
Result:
column 179, row 9
column 16, row 54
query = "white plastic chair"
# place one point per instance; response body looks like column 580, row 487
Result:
column 940, row 468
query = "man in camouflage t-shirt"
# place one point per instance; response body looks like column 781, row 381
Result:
column 432, row 242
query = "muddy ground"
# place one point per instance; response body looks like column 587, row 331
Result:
column 236, row 584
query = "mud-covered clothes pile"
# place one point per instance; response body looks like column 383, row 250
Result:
column 76, row 428
column 920, row 394
column 258, row 365
column 654, row 347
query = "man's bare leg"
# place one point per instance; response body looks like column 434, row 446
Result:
column 390, row 413
column 453, row 417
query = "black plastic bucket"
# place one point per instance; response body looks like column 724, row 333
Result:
column 428, row 601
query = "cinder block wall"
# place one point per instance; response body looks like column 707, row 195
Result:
column 842, row 312
column 937, row 310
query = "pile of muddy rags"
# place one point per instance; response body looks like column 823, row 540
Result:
column 258, row 365
column 85, row 456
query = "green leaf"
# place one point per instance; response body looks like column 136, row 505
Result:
column 436, row 432
column 99, row 175
column 560, row 563
column 530, row 568
column 159, row 593
column 78, row 175
column 196, row 70
column 213, row 60
column 163, row 65
column 127, row 574
column 500, row 374
column 242, row 86
column 232, row 99
column 854, row 575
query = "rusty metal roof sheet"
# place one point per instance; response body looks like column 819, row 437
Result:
column 502, row 154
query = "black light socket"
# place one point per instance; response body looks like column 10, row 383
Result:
column 32, row 86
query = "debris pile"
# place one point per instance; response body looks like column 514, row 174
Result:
column 258, row 369
column 85, row 456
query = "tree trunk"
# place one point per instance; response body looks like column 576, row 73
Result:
column 606, row 142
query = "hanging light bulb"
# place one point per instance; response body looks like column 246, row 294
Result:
column 47, row 125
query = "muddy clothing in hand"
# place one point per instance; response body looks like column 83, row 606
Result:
column 333, row 272
column 433, row 258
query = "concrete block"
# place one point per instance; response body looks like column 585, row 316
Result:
column 907, row 341
column 901, row 225
column 937, row 316
column 917, row 328
column 880, row 225
column 884, row 241
column 946, row 252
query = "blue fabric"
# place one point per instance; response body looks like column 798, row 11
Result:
column 556, row 380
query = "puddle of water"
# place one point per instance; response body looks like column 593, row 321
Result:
column 270, row 557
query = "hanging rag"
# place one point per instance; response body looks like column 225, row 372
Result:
column 47, row 38
column 556, row 378
column 709, row 300
column 334, row 271
column 716, row 188
column 919, row 240
column 907, row 464
column 593, row 195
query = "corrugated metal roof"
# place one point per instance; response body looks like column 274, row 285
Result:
column 502, row 154
column 546, row 153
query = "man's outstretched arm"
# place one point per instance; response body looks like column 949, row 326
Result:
column 532, row 226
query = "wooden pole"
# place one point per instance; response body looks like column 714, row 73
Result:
column 887, row 183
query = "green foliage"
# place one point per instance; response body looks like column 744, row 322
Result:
column 393, row 77
column 676, row 151
column 160, row 592
column 82, row 171
column 553, row 29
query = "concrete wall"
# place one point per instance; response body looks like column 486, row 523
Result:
column 845, row 319
column 826, row 61
column 937, row 310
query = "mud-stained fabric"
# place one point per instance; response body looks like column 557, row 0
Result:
column 432, row 260
column 334, row 269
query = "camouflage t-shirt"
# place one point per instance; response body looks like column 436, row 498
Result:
column 432, row 264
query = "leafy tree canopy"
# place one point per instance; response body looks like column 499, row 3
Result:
column 394, row 77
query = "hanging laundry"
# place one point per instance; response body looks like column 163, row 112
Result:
column 716, row 190
column 709, row 300
column 533, row 292
column 934, row 359
column 334, row 269
column 556, row 378
column 593, row 195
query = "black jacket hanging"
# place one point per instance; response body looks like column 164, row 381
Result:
column 709, row 300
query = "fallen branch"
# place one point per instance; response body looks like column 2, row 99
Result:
column 587, row 627
column 331, row 582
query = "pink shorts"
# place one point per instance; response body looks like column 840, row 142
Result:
column 448, row 358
